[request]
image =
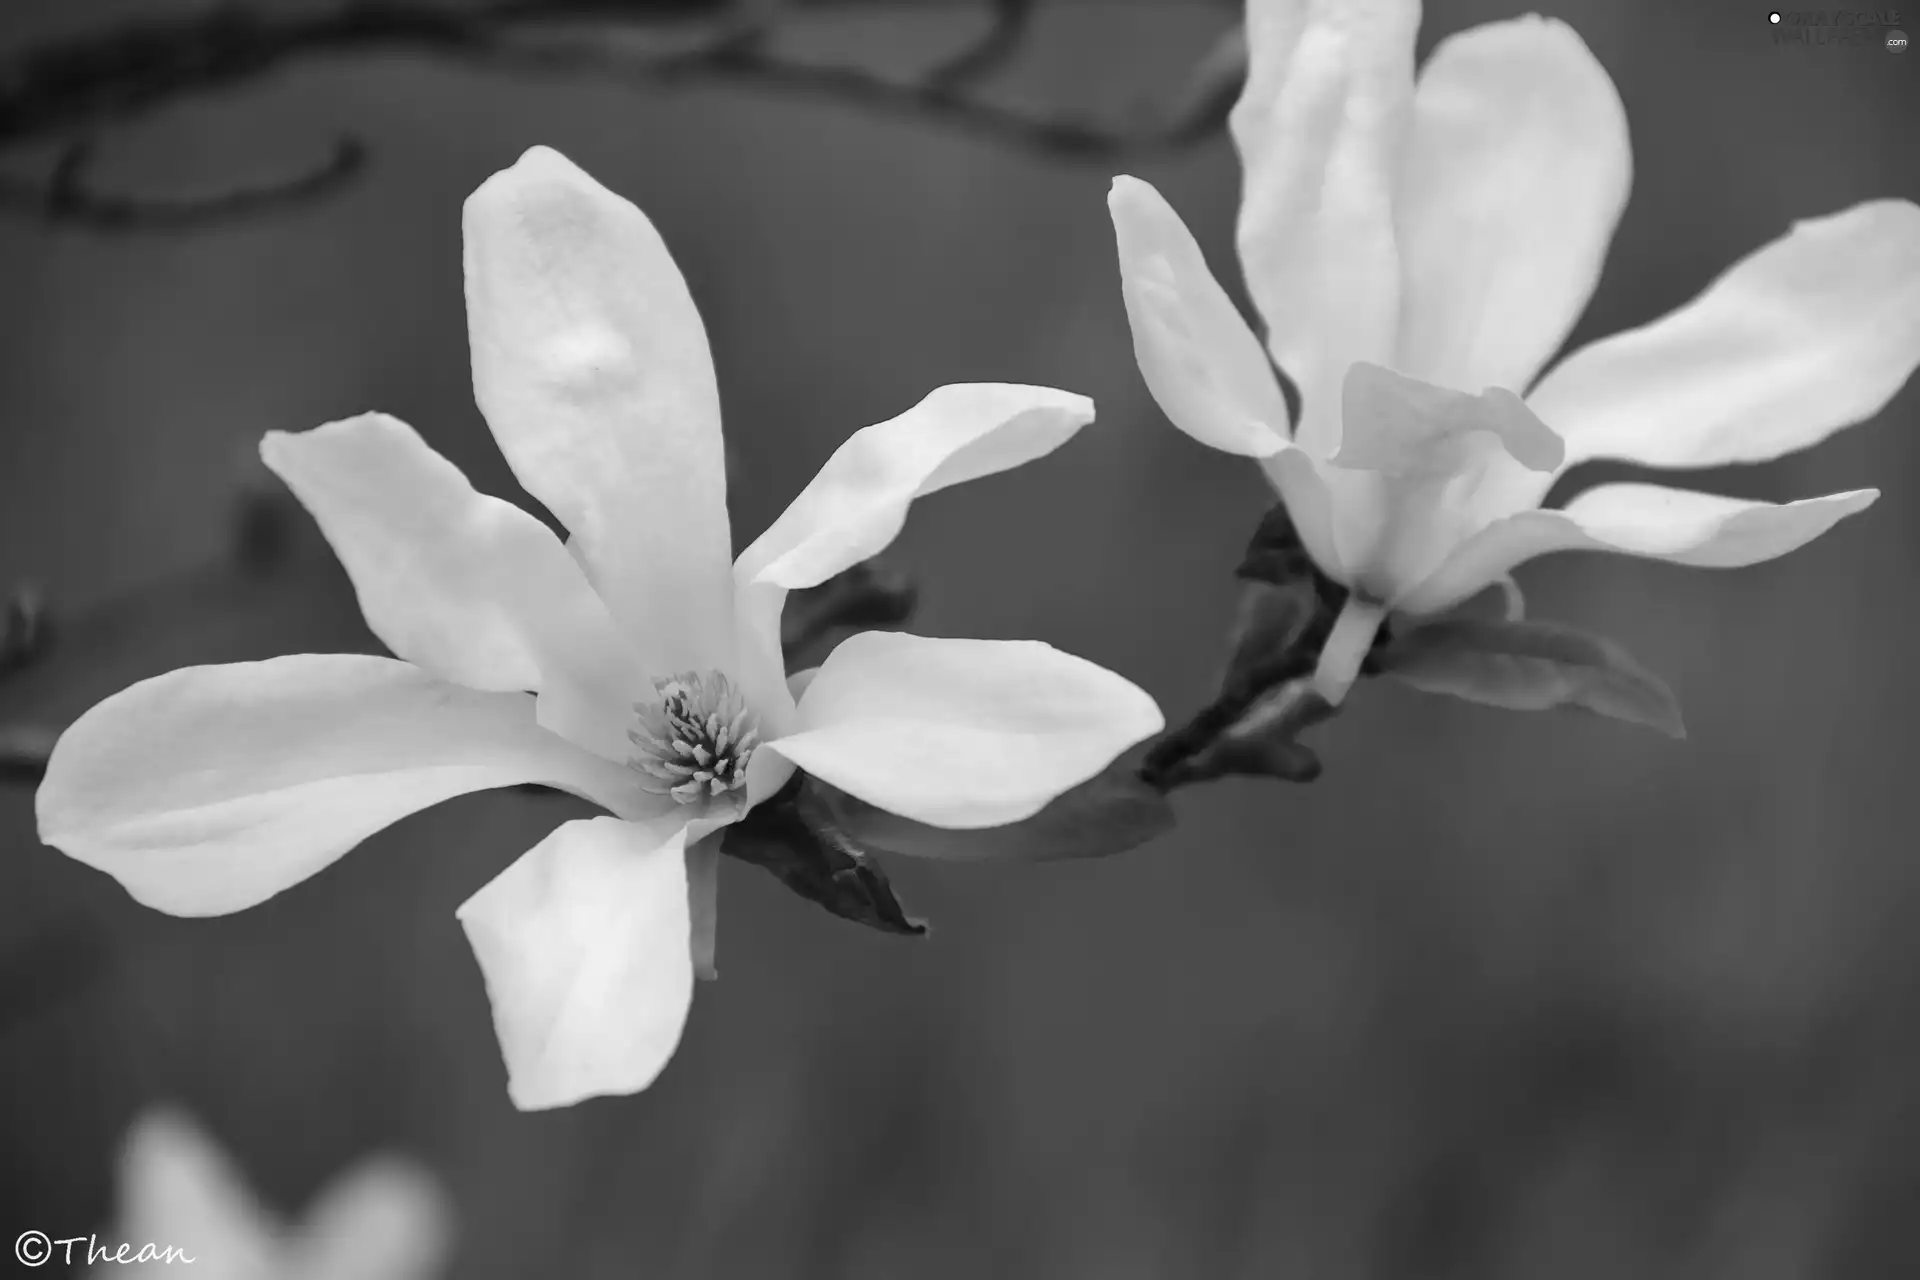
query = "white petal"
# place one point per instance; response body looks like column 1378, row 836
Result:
column 1700, row 529
column 858, row 502
column 210, row 789
column 466, row 586
column 1204, row 366
column 178, row 1189
column 1401, row 426
column 1410, row 462
column 1312, row 492
column 587, row 948
column 1812, row 333
column 1514, row 177
column 1319, row 129
column 591, row 365
column 963, row 733
column 385, row 1219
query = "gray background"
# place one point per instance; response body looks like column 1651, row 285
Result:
column 1499, row 996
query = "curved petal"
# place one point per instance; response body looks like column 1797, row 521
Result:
column 1700, row 529
column 1515, row 174
column 1403, row 427
column 1319, row 128
column 591, row 365
column 858, row 502
column 962, row 733
column 1812, row 333
column 587, row 949
column 210, row 789
column 1313, row 498
column 1411, row 461
column 1205, row 368
column 384, row 1219
column 463, row 585
column 178, row 1189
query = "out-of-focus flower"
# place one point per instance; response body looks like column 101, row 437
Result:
column 180, row 1197
column 1418, row 251
column 631, row 666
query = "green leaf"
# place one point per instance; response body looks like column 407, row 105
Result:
column 1531, row 666
column 1111, row 813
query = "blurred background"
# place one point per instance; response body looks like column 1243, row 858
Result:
column 1499, row 996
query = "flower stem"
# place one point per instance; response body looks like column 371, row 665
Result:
column 1346, row 647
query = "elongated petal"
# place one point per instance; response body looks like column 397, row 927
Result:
column 962, row 733
column 179, row 1189
column 384, row 1219
column 210, row 789
column 587, row 948
column 1514, row 177
column 466, row 586
column 1814, row 332
column 591, row 365
column 1311, row 491
column 1700, row 529
column 858, row 502
column 1204, row 366
column 1319, row 128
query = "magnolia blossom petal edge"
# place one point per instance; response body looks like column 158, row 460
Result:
column 463, row 585
column 857, row 503
column 962, row 733
column 1207, row 371
column 586, row 945
column 1516, row 171
column 591, row 365
column 1812, row 332
column 1681, row 526
column 210, row 789
column 1319, row 129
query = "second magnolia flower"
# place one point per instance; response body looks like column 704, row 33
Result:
column 638, row 665
column 1418, row 249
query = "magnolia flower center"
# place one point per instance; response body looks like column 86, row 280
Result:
column 695, row 738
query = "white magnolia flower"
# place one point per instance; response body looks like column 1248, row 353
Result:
column 1408, row 244
column 384, row 1219
column 631, row 666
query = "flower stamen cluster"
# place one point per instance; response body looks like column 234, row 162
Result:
column 696, row 739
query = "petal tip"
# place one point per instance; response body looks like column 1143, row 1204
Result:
column 540, row 170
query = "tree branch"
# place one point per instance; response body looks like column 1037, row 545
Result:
column 72, row 89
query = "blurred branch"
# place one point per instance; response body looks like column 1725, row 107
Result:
column 992, row 50
column 68, row 90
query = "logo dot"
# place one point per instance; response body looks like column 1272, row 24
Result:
column 1896, row 42
column 1774, row 17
